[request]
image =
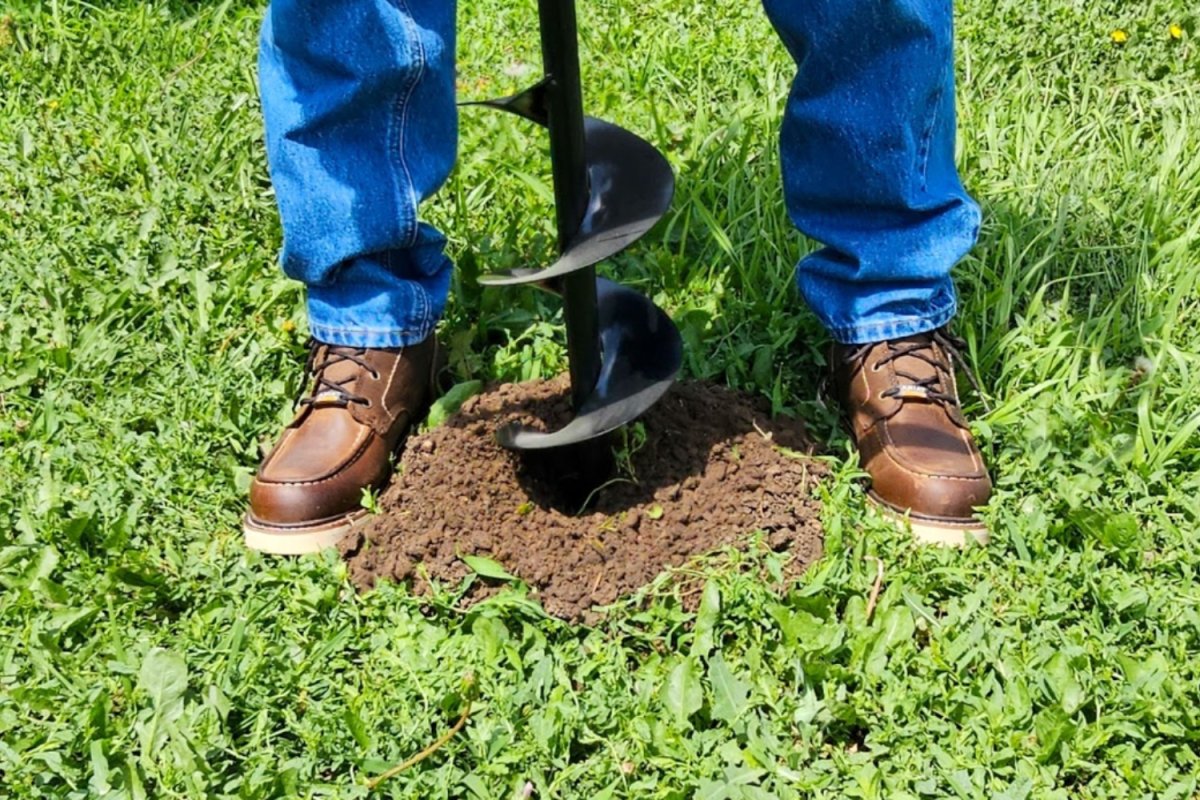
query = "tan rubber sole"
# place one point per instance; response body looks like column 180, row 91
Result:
column 299, row 541
column 935, row 534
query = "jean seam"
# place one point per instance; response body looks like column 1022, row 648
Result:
column 372, row 337
column 423, row 296
column 345, row 329
column 927, row 136
column 403, row 103
column 876, row 331
column 419, row 293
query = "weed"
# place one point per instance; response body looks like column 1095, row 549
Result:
column 633, row 439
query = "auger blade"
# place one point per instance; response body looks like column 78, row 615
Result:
column 630, row 187
column 641, row 354
column 532, row 104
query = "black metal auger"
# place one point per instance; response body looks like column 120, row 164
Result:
column 610, row 188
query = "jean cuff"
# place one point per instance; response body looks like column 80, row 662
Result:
column 371, row 337
column 893, row 328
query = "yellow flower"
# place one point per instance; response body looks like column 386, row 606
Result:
column 287, row 326
column 1119, row 36
column 1175, row 31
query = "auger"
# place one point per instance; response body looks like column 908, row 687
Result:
column 610, row 188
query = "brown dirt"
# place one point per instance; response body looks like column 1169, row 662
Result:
column 708, row 474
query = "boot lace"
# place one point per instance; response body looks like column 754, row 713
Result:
column 324, row 390
column 931, row 387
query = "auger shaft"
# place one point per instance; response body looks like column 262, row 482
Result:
column 568, row 158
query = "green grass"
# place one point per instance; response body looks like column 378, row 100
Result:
column 148, row 345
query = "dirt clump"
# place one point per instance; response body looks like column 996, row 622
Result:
column 706, row 467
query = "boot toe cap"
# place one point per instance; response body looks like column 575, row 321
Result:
column 950, row 500
column 282, row 495
column 300, row 504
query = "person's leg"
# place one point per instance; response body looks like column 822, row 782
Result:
column 867, row 148
column 361, row 126
column 358, row 101
column 867, row 151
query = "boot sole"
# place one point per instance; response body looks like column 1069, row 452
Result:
column 934, row 533
column 298, row 540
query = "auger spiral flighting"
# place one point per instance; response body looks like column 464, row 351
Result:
column 610, row 188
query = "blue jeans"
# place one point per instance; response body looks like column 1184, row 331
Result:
column 358, row 98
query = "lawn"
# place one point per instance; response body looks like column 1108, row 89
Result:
column 149, row 346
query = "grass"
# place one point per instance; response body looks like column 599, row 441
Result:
column 148, row 345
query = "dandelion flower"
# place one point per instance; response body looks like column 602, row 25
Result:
column 1142, row 368
column 1175, row 31
column 1119, row 36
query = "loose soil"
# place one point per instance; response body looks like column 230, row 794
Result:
column 713, row 468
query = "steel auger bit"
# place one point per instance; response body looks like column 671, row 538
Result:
column 629, row 183
column 642, row 351
column 610, row 188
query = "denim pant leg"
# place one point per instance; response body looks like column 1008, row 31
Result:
column 867, row 150
column 361, row 126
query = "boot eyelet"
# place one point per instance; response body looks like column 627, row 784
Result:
column 375, row 374
column 875, row 367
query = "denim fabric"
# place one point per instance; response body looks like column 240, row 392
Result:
column 358, row 98
column 867, row 150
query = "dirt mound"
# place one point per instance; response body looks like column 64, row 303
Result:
column 705, row 467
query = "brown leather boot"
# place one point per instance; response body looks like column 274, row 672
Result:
column 899, row 399
column 308, row 491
